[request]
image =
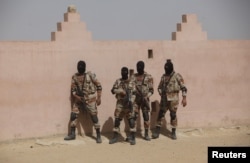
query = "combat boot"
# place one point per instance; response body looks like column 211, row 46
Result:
column 156, row 134
column 114, row 139
column 72, row 134
column 132, row 140
column 128, row 138
column 146, row 137
column 174, row 134
column 98, row 136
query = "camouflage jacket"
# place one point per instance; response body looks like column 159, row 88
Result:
column 87, row 83
column 171, row 85
column 144, row 84
column 125, row 85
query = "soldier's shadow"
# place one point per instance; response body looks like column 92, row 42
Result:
column 85, row 123
column 164, row 129
column 107, row 130
column 153, row 119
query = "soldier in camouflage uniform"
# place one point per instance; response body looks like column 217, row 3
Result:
column 86, row 92
column 124, row 90
column 145, row 89
column 170, row 85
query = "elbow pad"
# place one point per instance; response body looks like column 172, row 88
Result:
column 99, row 87
column 184, row 91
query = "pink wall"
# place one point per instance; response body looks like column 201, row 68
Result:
column 35, row 78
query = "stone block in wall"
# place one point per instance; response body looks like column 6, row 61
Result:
column 72, row 26
column 173, row 36
column 72, row 36
column 189, row 18
column 187, row 27
column 72, row 17
column 53, row 36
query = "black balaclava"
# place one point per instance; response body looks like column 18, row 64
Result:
column 169, row 67
column 81, row 66
column 140, row 67
column 124, row 73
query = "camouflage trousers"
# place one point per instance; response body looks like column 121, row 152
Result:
column 172, row 107
column 139, row 105
column 122, row 111
column 90, row 107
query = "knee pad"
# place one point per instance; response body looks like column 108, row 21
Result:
column 161, row 114
column 94, row 118
column 117, row 122
column 131, row 123
column 173, row 115
column 145, row 116
column 73, row 116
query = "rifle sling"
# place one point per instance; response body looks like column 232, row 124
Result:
column 169, row 78
column 140, row 91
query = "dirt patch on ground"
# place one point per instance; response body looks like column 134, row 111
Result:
column 191, row 146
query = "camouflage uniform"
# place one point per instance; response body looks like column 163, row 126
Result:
column 91, row 89
column 89, row 85
column 169, row 88
column 172, row 85
column 122, row 109
column 145, row 88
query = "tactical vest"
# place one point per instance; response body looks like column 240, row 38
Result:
column 170, row 87
column 144, row 85
column 173, row 85
column 121, row 85
column 87, row 86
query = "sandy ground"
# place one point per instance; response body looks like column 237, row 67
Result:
column 191, row 146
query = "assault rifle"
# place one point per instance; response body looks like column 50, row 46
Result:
column 163, row 96
column 81, row 94
column 144, row 101
column 128, row 101
column 163, row 91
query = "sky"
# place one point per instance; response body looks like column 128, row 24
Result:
column 28, row 20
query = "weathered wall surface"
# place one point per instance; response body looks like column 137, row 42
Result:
column 35, row 78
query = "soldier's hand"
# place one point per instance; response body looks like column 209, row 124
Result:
column 146, row 99
column 98, row 101
column 78, row 98
column 123, row 93
column 184, row 102
column 120, row 91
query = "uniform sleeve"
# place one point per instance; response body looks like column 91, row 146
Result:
column 97, row 83
column 150, row 85
column 115, row 87
column 160, row 86
column 73, row 85
column 182, row 84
